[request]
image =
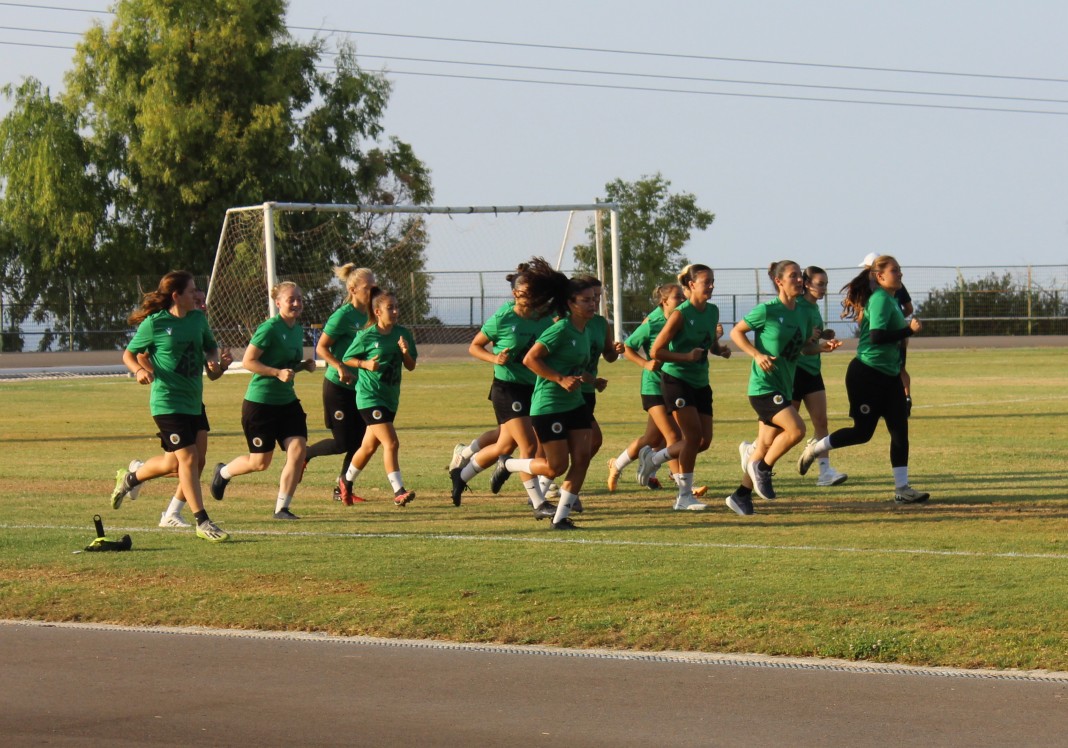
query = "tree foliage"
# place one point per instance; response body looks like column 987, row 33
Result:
column 654, row 226
column 176, row 111
column 994, row 305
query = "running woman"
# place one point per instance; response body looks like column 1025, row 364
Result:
column 808, row 380
column 339, row 384
column 682, row 347
column 873, row 379
column 904, row 300
column 379, row 352
column 271, row 413
column 512, row 331
column 176, row 337
column 781, row 336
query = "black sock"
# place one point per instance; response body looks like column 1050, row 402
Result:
column 131, row 480
column 743, row 492
column 201, row 516
column 763, row 466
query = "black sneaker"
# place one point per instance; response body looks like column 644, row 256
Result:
column 742, row 505
column 908, row 406
column 218, row 483
column 337, row 493
column 545, row 511
column 458, row 486
column 577, row 506
column 285, row 514
column 564, row 524
column 500, row 475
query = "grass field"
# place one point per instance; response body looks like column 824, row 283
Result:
column 976, row 578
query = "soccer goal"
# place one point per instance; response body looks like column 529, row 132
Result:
column 447, row 265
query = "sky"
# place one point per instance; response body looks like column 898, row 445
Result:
column 944, row 180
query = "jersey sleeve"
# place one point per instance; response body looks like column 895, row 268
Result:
column 142, row 339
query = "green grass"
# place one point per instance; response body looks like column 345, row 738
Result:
column 974, row 579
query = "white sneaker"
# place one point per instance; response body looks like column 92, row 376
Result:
column 135, row 465
column 172, row 520
column 458, row 459
column 645, row 465
column 552, row 492
column 831, row 477
column 689, row 503
column 745, row 449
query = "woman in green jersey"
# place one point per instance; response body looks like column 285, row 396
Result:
column 682, row 347
column 504, row 340
column 781, row 337
column 660, row 427
column 873, row 379
column 175, row 335
column 380, row 352
column 339, row 383
column 271, row 414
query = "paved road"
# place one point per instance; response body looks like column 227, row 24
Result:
column 75, row 685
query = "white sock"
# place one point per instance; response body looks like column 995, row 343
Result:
column 351, row 473
column 225, row 472
column 517, row 465
column 823, row 446
column 543, row 481
column 282, row 502
column 686, row 484
column 469, row 451
column 174, row 509
column 675, row 478
column 537, row 498
column 825, row 464
column 564, row 507
column 623, row 460
column 901, row 476
column 470, row 470
column 659, row 458
column 394, row 479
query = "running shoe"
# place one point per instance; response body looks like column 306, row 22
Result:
column 210, row 531
column 172, row 520
column 831, row 477
column 564, row 524
column 613, row 474
column 133, row 493
column 337, row 493
column 218, row 483
column 654, row 483
column 500, row 475
column 906, row 494
column 403, row 497
column 761, row 481
column 742, row 505
column 745, row 449
column 458, row 486
column 552, row 492
column 577, row 506
column 908, row 406
column 122, row 487
column 284, row 513
column 645, row 465
column 545, row 511
column 458, row 459
column 689, row 503
column 344, row 489
column 808, row 456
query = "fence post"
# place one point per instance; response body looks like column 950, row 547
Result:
column 1029, row 312
column 960, row 311
column 70, row 315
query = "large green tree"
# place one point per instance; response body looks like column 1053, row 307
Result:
column 654, row 226
column 174, row 112
column 994, row 305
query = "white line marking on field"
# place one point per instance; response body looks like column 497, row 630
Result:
column 581, row 541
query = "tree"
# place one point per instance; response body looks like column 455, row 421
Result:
column 654, row 226
column 172, row 114
column 994, row 305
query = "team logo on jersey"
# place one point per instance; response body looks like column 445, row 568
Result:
column 517, row 407
column 169, row 330
column 174, row 439
column 513, row 328
column 376, row 414
column 778, row 399
column 257, row 442
column 375, row 345
column 680, row 402
column 339, row 415
column 865, row 409
column 557, row 427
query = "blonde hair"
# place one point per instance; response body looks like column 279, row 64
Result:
column 349, row 273
column 279, row 288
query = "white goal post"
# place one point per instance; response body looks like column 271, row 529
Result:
column 434, row 257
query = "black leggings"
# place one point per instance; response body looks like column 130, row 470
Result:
column 874, row 395
column 346, row 426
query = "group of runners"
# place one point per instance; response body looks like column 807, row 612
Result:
column 544, row 346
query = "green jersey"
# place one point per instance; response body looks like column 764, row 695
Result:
column 642, row 339
column 596, row 331
column 380, row 388
column 342, row 327
column 569, row 354
column 882, row 312
column 282, row 347
column 698, row 331
column 778, row 333
column 813, row 319
column 506, row 329
column 176, row 347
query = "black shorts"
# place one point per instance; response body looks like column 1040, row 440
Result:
column 872, row 392
column 654, row 401
column 340, row 414
column 769, row 406
column 679, row 394
column 177, row 430
column 266, row 425
column 591, row 401
column 377, row 414
column 510, row 400
column 551, row 427
column 806, row 383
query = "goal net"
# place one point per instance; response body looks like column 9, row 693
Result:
column 447, row 265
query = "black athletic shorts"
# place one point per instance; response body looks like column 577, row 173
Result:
column 510, row 400
column 377, row 414
column 268, row 425
column 177, row 430
column 873, row 393
column 679, row 394
column 652, row 401
column 806, row 383
column 769, row 406
column 551, row 427
column 340, row 414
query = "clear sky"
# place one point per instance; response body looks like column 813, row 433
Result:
column 826, row 182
